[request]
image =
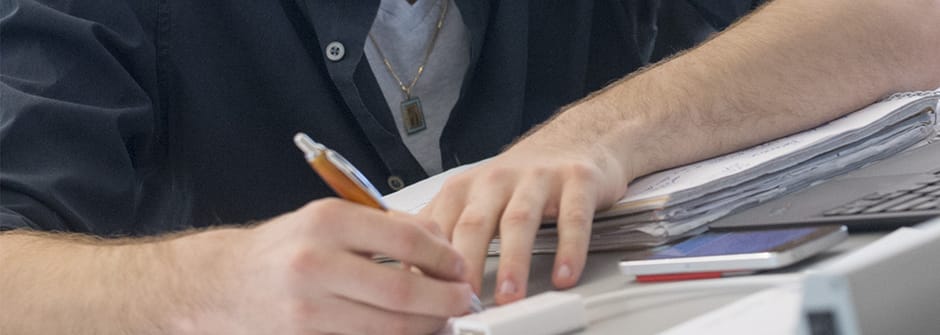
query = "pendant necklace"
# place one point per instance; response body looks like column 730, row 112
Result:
column 412, row 114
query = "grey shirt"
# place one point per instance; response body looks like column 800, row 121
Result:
column 403, row 32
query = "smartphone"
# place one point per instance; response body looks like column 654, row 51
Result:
column 722, row 253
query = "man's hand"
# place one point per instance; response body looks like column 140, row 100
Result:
column 791, row 66
column 310, row 272
column 511, row 194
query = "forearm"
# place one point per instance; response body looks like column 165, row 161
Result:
column 791, row 66
column 63, row 284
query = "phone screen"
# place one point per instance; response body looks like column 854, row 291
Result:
column 733, row 242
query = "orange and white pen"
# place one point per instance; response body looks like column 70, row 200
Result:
column 348, row 182
column 339, row 174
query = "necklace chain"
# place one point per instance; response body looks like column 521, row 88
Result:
column 427, row 54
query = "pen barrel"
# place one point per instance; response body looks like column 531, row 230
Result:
column 341, row 184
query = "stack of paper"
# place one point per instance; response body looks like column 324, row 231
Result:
column 669, row 204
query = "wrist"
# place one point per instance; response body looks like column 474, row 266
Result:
column 610, row 132
column 205, row 279
column 652, row 119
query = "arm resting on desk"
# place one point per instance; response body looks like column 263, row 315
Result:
column 305, row 272
column 70, row 283
column 792, row 65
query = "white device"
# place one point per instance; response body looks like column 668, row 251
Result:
column 891, row 286
column 546, row 313
column 721, row 253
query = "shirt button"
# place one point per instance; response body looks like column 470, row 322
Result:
column 335, row 51
column 396, row 183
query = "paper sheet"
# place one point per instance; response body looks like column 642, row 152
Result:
column 746, row 164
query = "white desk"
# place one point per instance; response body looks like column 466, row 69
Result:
column 647, row 315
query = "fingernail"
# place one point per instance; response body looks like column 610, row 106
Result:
column 507, row 288
column 564, row 271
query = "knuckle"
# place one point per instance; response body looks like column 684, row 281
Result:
column 473, row 222
column 428, row 225
column 400, row 291
column 582, row 171
column 449, row 260
column 519, row 217
column 578, row 218
column 320, row 214
column 540, row 172
column 306, row 260
column 454, row 183
column 496, row 175
column 407, row 240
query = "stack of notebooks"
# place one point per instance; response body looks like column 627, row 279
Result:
column 670, row 204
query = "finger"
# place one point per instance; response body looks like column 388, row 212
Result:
column 409, row 243
column 392, row 289
column 369, row 231
column 576, row 215
column 517, row 229
column 432, row 227
column 337, row 315
column 475, row 229
column 445, row 208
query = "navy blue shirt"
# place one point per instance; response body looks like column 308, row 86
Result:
column 137, row 117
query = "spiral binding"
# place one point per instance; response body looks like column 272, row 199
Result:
column 913, row 94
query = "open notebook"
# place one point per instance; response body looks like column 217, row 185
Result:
column 666, row 205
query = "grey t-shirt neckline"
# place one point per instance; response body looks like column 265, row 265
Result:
column 403, row 31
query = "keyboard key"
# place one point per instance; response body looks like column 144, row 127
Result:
column 929, row 189
column 896, row 194
column 835, row 211
column 854, row 207
column 875, row 196
column 909, row 204
column 918, row 187
column 893, row 202
column 935, row 203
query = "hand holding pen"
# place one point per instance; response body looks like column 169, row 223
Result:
column 351, row 185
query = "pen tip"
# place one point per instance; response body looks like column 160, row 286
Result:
column 476, row 306
column 307, row 144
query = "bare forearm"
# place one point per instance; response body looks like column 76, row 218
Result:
column 791, row 66
column 60, row 284
column 299, row 273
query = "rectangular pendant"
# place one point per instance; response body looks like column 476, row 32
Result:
column 412, row 116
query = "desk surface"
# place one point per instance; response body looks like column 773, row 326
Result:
column 648, row 315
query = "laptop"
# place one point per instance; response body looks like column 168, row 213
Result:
column 898, row 191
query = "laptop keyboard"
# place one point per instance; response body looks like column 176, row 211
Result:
column 923, row 197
